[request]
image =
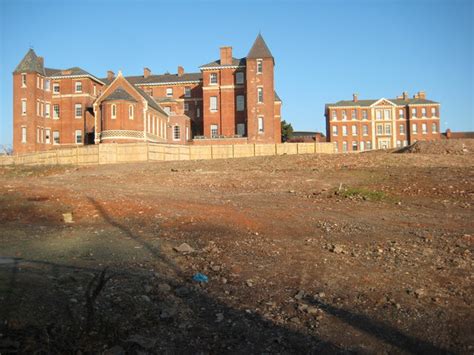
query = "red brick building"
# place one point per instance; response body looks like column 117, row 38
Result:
column 230, row 100
column 383, row 123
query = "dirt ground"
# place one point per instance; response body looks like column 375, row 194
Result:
column 363, row 253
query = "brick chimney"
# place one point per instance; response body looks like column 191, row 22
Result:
column 355, row 97
column 180, row 70
column 146, row 72
column 422, row 94
column 110, row 74
column 226, row 55
column 41, row 61
column 405, row 95
column 448, row 133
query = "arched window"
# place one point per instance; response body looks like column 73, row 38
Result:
column 130, row 112
column 114, row 111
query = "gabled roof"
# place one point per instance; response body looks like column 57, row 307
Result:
column 151, row 102
column 236, row 62
column 161, row 79
column 30, row 63
column 259, row 49
column 120, row 94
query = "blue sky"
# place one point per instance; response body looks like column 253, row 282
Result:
column 324, row 50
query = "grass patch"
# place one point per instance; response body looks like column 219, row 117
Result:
column 361, row 193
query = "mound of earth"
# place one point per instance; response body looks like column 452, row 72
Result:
column 457, row 147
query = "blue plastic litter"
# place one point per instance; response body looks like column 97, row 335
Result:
column 200, row 277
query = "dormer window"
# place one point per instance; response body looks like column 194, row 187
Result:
column 23, row 80
column 213, row 78
column 130, row 112
column 259, row 66
column 78, row 86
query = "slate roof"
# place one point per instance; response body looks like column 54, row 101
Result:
column 277, row 98
column 217, row 63
column 164, row 99
column 259, row 49
column 151, row 102
column 158, row 79
column 120, row 94
column 367, row 103
column 30, row 63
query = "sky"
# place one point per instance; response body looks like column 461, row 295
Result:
column 324, row 50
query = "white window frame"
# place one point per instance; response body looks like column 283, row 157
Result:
column 354, row 114
column 364, row 114
column 76, row 83
column 176, row 133
column 388, row 129
column 424, row 128
column 413, row 112
column 187, row 91
column 76, row 136
column 380, row 129
column 131, row 112
column 240, row 103
column 414, row 128
column 435, row 126
column 42, row 84
column 23, row 80
column 47, row 135
column 47, row 110
column 344, row 131
column 344, row 147
column 56, row 136
column 260, row 95
column 423, row 112
column 186, row 106
column 334, row 115
column 401, row 129
column 169, row 92
column 365, row 130
column 214, row 128
column 94, row 90
column 47, row 85
column 23, row 107
column 261, row 124
column 354, row 130
column 113, row 111
column 387, row 115
column 239, row 77
column 23, row 134
column 213, row 104
column 76, row 106
column 334, row 131
column 56, row 114
column 187, row 133
column 213, row 80
column 56, row 89
column 259, row 66
column 433, row 112
column 344, row 115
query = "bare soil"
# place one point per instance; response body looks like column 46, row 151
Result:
column 364, row 253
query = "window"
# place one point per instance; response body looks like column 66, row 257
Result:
column 187, row 91
column 413, row 112
column 344, row 130
column 259, row 66
column 388, row 129
column 42, row 135
column 169, row 92
column 176, row 133
column 56, row 137
column 334, row 130
column 56, row 111
column 56, row 88
column 213, row 103
column 42, row 109
column 414, row 128
column 198, row 112
column 42, row 84
column 130, row 112
column 78, row 135
column 23, row 81
column 240, row 103
column 260, row 95
column 23, row 107
column 47, row 136
column 399, row 144
column 353, row 114
column 94, row 90
column 113, row 111
column 368, row 145
column 78, row 110
column 261, row 127
column 365, row 130
column 213, row 78
column 37, row 135
column 78, row 86
column 354, row 130
column 401, row 113
column 186, row 106
column 23, row 134
column 364, row 114
column 214, row 130
column 241, row 129
column 354, row 145
column 334, row 115
column 379, row 130
column 433, row 111
column 47, row 110
column 167, row 109
column 362, row 146
column 37, row 82
column 423, row 112
column 344, row 115
column 344, row 146
column 434, row 128
column 387, row 114
column 37, row 108
column 47, row 85
column 187, row 133
column 378, row 114
column 239, row 77
column 424, row 129
column 401, row 129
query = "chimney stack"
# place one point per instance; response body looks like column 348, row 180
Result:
column 448, row 133
column 180, row 70
column 405, row 95
column 41, row 61
column 146, row 72
column 226, row 55
column 110, row 74
column 421, row 94
column 355, row 97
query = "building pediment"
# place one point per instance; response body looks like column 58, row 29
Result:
column 382, row 102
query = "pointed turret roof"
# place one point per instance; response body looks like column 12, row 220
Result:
column 30, row 63
column 259, row 49
column 120, row 94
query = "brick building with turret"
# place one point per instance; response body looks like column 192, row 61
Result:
column 231, row 100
